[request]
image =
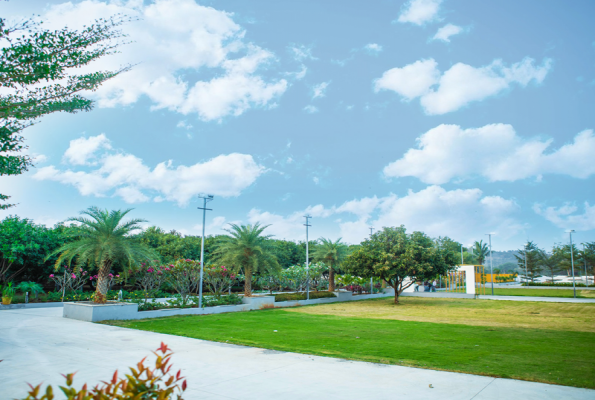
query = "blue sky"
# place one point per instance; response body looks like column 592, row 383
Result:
column 456, row 118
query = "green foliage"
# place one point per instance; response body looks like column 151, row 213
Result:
column 400, row 258
column 142, row 383
column 480, row 251
column 184, row 277
column 332, row 254
column 31, row 287
column 531, row 269
column 102, row 240
column 8, row 290
column 302, row 296
column 24, row 246
column 36, row 75
column 172, row 246
column 246, row 248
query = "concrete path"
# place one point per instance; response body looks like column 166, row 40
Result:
column 38, row 344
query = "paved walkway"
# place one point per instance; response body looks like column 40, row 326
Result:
column 38, row 344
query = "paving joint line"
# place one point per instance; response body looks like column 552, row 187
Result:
column 476, row 394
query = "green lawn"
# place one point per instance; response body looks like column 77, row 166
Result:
column 552, row 356
column 541, row 292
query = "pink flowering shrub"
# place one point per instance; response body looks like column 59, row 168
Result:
column 184, row 277
column 69, row 279
column 218, row 279
column 149, row 277
column 111, row 280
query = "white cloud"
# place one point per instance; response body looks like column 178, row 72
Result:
column 184, row 125
column 301, row 53
column 129, row 178
column 316, row 180
column 565, row 217
column 419, row 12
column 446, row 32
column 310, row 109
column 373, row 48
column 461, row 84
column 494, row 152
column 319, row 90
column 83, row 149
column 173, row 43
column 412, row 80
column 463, row 215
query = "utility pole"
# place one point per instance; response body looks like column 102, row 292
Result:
column 491, row 263
column 307, row 259
column 204, row 209
column 371, row 278
column 572, row 262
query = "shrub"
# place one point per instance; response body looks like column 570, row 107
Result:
column 32, row 287
column 184, row 277
column 142, row 383
column 149, row 277
column 218, row 279
column 561, row 284
column 302, row 296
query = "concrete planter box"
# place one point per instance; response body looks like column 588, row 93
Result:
column 344, row 295
column 259, row 302
column 31, row 305
column 100, row 312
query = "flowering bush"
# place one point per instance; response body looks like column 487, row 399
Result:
column 69, row 280
column 184, row 277
column 111, row 280
column 149, row 277
column 218, row 279
column 354, row 288
column 142, row 383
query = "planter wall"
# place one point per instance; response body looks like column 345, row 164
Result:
column 259, row 302
column 100, row 312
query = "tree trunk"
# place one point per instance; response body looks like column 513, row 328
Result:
column 102, row 283
column 383, row 284
column 331, row 279
column 396, row 296
column 248, row 283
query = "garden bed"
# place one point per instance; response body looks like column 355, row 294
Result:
column 302, row 296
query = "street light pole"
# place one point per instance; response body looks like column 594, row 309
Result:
column 585, row 260
column 204, row 209
column 462, row 259
column 526, row 270
column 371, row 278
column 491, row 263
column 307, row 259
column 572, row 262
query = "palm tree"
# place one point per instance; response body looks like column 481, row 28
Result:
column 550, row 262
column 102, row 240
column 332, row 254
column 247, row 248
column 480, row 250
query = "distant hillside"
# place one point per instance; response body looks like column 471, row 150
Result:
column 502, row 257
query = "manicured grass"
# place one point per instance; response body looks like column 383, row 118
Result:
column 511, row 314
column 559, row 357
column 541, row 292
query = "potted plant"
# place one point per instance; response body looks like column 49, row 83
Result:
column 7, row 294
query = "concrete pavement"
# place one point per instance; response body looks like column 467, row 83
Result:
column 38, row 344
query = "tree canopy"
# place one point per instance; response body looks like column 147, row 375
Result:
column 36, row 76
column 400, row 258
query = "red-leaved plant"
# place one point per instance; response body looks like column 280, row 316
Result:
column 142, row 383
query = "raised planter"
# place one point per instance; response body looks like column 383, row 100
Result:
column 344, row 295
column 87, row 311
column 259, row 302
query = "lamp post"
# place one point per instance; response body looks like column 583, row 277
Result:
column 204, row 209
column 572, row 262
column 526, row 270
column 462, row 259
column 307, row 259
column 491, row 263
column 585, row 260
column 371, row 278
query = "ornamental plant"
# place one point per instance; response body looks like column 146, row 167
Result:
column 69, row 279
column 94, row 279
column 32, row 287
column 142, row 383
column 218, row 279
column 184, row 277
column 149, row 277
